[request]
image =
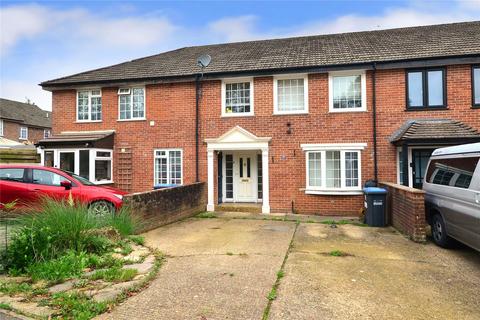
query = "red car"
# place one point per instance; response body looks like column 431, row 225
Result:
column 27, row 184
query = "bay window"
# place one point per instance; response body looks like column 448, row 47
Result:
column 237, row 97
column 131, row 103
column 347, row 91
column 89, row 105
column 333, row 168
column 290, row 94
column 168, row 167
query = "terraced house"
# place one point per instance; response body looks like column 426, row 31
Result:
column 296, row 124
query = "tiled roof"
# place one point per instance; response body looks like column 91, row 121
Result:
column 428, row 129
column 25, row 113
column 80, row 136
column 447, row 40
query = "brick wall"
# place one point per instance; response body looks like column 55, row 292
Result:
column 11, row 130
column 172, row 108
column 160, row 207
column 406, row 210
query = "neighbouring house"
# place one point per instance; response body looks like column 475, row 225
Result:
column 296, row 124
column 24, row 122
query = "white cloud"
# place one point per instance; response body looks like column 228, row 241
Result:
column 232, row 29
column 19, row 22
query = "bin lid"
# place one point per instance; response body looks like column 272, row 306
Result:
column 374, row 190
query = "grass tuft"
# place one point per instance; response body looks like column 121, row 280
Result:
column 338, row 253
column 114, row 275
column 272, row 295
column 206, row 215
column 138, row 240
column 5, row 306
column 77, row 306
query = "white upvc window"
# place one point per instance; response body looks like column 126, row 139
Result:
column 89, row 105
column 131, row 104
column 290, row 94
column 347, row 91
column 46, row 133
column 333, row 168
column 237, row 97
column 95, row 165
column 23, row 133
column 1, row 127
column 168, row 166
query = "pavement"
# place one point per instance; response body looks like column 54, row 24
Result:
column 224, row 268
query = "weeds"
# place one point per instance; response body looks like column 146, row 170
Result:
column 5, row 306
column 272, row 295
column 206, row 215
column 114, row 275
column 139, row 240
column 77, row 306
column 338, row 253
column 56, row 270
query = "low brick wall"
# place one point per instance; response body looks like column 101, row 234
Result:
column 406, row 210
column 164, row 206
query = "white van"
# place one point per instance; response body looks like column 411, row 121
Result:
column 452, row 199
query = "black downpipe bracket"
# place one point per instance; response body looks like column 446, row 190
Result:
column 197, row 122
column 374, row 118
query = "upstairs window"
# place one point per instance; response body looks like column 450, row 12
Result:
column 168, row 167
column 347, row 91
column 23, row 133
column 426, row 88
column 290, row 95
column 476, row 86
column 131, row 103
column 46, row 133
column 89, row 105
column 237, row 98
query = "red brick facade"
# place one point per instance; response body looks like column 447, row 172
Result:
column 11, row 131
column 172, row 109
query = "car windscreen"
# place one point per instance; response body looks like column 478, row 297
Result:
column 80, row 179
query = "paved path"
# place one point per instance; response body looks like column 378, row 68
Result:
column 224, row 269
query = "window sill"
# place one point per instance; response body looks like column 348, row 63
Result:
column 236, row 115
column 127, row 120
column 25, row 139
column 426, row 109
column 476, row 106
column 88, row 121
column 333, row 192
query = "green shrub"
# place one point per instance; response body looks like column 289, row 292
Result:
column 56, row 270
column 77, row 306
column 124, row 221
column 115, row 274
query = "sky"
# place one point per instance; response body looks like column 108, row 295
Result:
column 44, row 40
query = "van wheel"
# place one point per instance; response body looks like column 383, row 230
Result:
column 101, row 208
column 439, row 232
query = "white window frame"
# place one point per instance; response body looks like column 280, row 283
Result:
column 46, row 133
column 363, row 82
column 167, row 150
column 90, row 96
column 224, row 96
column 23, row 129
column 92, row 157
column 305, row 93
column 1, row 127
column 342, row 148
column 130, row 92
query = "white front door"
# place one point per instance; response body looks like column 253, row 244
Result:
column 246, row 178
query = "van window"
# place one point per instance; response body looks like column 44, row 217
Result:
column 455, row 172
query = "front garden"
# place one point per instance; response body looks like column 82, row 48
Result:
column 64, row 262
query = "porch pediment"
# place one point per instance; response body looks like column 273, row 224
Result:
column 237, row 138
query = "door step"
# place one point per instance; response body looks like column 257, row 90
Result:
column 239, row 207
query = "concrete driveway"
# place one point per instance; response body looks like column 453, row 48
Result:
column 224, row 268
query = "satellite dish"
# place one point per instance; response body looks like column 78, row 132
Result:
column 204, row 60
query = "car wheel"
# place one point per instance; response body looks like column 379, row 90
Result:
column 101, row 208
column 439, row 232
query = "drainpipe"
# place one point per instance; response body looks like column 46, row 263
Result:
column 374, row 120
column 197, row 122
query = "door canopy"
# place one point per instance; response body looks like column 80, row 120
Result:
column 238, row 138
